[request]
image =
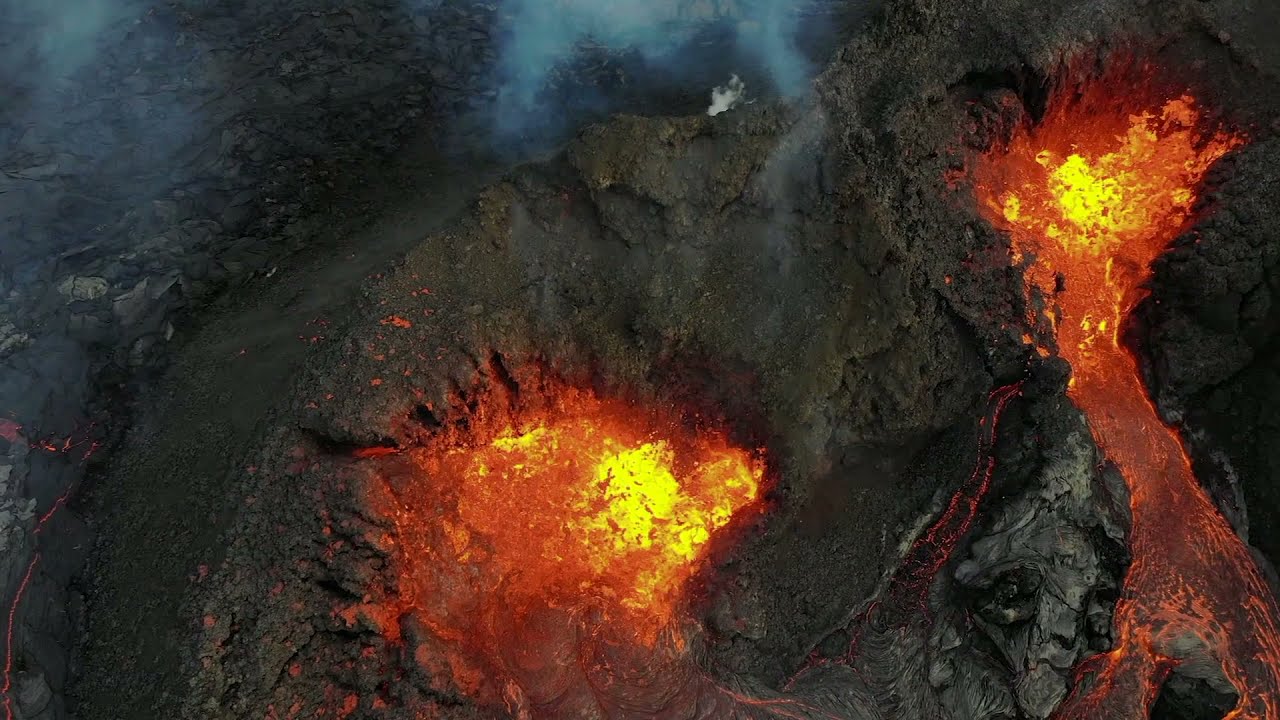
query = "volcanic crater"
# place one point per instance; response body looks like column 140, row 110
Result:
column 939, row 392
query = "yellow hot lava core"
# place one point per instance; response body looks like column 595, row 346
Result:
column 1137, row 189
column 574, row 502
column 612, row 506
column 1097, row 203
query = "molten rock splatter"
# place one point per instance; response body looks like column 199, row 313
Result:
column 1095, row 194
column 538, row 544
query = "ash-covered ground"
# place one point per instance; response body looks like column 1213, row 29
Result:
column 815, row 272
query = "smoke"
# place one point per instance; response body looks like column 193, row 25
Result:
column 50, row 52
column 86, row 116
column 677, row 42
column 771, row 35
column 58, row 37
column 725, row 97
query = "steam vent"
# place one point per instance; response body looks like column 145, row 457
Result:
column 640, row 359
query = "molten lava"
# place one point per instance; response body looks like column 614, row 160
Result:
column 540, row 544
column 590, row 500
column 1093, row 194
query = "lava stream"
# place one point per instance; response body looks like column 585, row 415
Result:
column 1094, row 195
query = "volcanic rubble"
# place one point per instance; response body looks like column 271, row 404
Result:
column 815, row 275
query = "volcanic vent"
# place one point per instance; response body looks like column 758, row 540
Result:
column 1092, row 194
column 546, row 538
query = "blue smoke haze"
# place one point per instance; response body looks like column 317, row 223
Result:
column 59, row 37
column 547, row 33
column 86, row 103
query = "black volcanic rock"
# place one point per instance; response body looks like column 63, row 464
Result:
column 158, row 153
column 816, row 268
column 1212, row 332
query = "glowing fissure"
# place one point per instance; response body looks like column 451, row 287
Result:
column 12, row 431
column 908, row 589
column 18, row 595
column 7, row 688
column 932, row 550
column 1095, row 195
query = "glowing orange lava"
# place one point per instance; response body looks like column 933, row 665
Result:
column 1094, row 194
column 531, row 523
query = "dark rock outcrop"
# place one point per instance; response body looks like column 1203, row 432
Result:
column 1212, row 331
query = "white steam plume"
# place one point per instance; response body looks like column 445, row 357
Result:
column 725, row 97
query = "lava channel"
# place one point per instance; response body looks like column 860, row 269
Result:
column 546, row 546
column 1090, row 196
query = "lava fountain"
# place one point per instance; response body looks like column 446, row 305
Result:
column 546, row 540
column 1091, row 195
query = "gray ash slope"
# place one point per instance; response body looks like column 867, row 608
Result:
column 816, row 251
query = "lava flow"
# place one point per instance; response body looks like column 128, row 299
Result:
column 546, row 549
column 1093, row 194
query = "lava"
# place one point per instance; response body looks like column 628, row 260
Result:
column 546, row 543
column 11, row 622
column 1091, row 195
column 81, row 439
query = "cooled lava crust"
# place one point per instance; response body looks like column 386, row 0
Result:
column 814, row 288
